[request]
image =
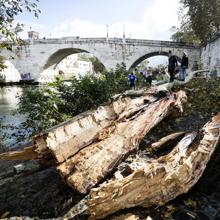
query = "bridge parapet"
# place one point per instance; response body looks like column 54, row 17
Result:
column 126, row 41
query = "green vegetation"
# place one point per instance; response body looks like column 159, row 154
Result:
column 46, row 106
column 9, row 29
column 9, row 10
column 97, row 65
column 200, row 20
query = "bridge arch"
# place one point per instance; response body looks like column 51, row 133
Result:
column 151, row 54
column 50, row 67
column 59, row 55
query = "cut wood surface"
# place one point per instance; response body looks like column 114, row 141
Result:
column 160, row 180
column 85, row 169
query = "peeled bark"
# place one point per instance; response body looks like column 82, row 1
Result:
column 160, row 180
column 85, row 169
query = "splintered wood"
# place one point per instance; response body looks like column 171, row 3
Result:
column 85, row 169
column 89, row 146
column 68, row 138
column 161, row 180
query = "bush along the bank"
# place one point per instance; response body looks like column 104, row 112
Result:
column 48, row 105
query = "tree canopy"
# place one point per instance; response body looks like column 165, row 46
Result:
column 9, row 28
column 200, row 20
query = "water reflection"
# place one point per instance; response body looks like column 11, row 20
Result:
column 9, row 98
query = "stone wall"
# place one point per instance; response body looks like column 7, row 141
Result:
column 210, row 55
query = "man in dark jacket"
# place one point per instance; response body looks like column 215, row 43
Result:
column 184, row 66
column 172, row 64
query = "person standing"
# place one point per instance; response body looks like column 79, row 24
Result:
column 132, row 80
column 172, row 65
column 184, row 66
column 148, row 76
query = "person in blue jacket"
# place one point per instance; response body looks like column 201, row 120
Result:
column 132, row 80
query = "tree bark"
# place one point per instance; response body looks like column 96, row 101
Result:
column 160, row 180
column 85, row 169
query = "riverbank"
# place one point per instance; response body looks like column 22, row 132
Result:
column 20, row 83
column 45, row 195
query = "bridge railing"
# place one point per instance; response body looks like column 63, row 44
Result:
column 114, row 41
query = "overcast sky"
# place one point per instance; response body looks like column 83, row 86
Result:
column 145, row 19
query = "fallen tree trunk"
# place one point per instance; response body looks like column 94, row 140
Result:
column 66, row 139
column 161, row 180
column 27, row 153
column 107, row 135
column 85, row 169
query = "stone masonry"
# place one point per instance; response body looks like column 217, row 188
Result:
column 35, row 56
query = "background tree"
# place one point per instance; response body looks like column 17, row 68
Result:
column 47, row 105
column 184, row 34
column 97, row 65
column 200, row 20
column 9, row 28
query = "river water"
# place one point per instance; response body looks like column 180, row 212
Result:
column 9, row 98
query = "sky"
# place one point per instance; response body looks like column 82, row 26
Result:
column 141, row 19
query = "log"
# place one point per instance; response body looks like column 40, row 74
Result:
column 66, row 139
column 27, row 153
column 166, row 139
column 85, row 169
column 160, row 180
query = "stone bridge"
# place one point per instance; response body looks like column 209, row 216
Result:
column 44, row 54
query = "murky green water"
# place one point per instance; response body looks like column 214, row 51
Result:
column 9, row 98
